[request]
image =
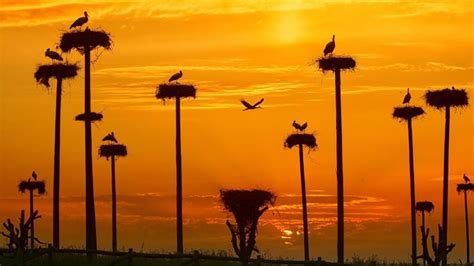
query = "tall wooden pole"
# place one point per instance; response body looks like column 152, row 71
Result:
column 32, row 239
column 303, row 198
column 114, row 207
column 179, row 186
column 466, row 216
column 412, row 194
column 56, row 174
column 340, row 174
column 446, row 182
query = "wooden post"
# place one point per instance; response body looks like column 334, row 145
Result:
column 130, row 258
column 57, row 151
column 340, row 174
column 179, row 178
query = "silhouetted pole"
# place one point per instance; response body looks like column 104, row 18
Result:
column 114, row 207
column 466, row 216
column 303, row 197
column 423, row 228
column 179, row 180
column 32, row 227
column 340, row 174
column 91, row 240
column 56, row 174
column 412, row 194
column 446, row 180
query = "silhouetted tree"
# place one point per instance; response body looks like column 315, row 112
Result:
column 31, row 186
column 464, row 188
column 247, row 206
column 336, row 64
column 424, row 206
column 302, row 140
column 60, row 72
column 446, row 99
column 113, row 150
column 439, row 250
column 177, row 91
column 407, row 113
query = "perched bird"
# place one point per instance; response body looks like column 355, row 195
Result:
column 407, row 98
column 300, row 127
column 80, row 21
column 330, row 46
column 176, row 76
column 45, row 81
column 34, row 175
column 466, row 179
column 110, row 137
column 53, row 55
column 249, row 106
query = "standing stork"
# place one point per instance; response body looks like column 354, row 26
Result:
column 176, row 76
column 110, row 137
column 53, row 55
column 80, row 21
column 330, row 46
column 299, row 127
column 466, row 179
column 407, row 97
column 35, row 176
column 249, row 106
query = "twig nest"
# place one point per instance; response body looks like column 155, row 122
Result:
column 93, row 116
column 465, row 187
column 56, row 70
column 109, row 150
column 407, row 112
column 40, row 186
column 305, row 139
column 78, row 39
column 245, row 204
column 333, row 63
column 424, row 206
column 173, row 90
column 447, row 97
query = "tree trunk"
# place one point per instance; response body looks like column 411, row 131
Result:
column 91, row 240
column 32, row 228
column 57, row 151
column 412, row 194
column 423, row 230
column 303, row 198
column 468, row 250
column 340, row 175
column 114, row 207
column 179, row 178
column 444, row 238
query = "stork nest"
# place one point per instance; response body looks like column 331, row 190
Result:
column 29, row 185
column 333, row 63
column 56, row 70
column 447, row 97
column 93, row 116
column 304, row 139
column 109, row 150
column 407, row 112
column 78, row 39
column 424, row 206
column 246, row 204
column 173, row 90
column 464, row 187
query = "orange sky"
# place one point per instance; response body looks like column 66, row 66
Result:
column 232, row 50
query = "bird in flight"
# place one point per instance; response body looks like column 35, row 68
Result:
column 176, row 76
column 110, row 137
column 299, row 127
column 53, row 55
column 407, row 98
column 249, row 106
column 330, row 46
column 34, row 175
column 466, row 179
column 80, row 21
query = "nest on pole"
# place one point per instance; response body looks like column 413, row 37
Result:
column 333, row 63
column 93, row 116
column 79, row 39
column 32, row 185
column 109, row 150
column 464, row 187
column 172, row 90
column 439, row 99
column 56, row 70
column 407, row 112
column 304, row 139
column 424, row 206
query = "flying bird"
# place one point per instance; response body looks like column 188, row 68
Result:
column 466, row 179
column 176, row 76
column 300, row 127
column 53, row 55
column 80, row 21
column 407, row 98
column 330, row 46
column 249, row 106
column 34, row 175
column 110, row 137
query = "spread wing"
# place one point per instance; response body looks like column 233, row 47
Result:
column 259, row 102
column 304, row 126
column 246, row 104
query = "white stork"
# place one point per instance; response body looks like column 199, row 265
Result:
column 53, row 55
column 300, row 127
column 110, row 137
column 34, row 175
column 176, row 76
column 407, row 97
column 330, row 46
column 80, row 21
column 249, row 106
column 466, row 179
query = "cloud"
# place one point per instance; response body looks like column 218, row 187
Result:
column 427, row 67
